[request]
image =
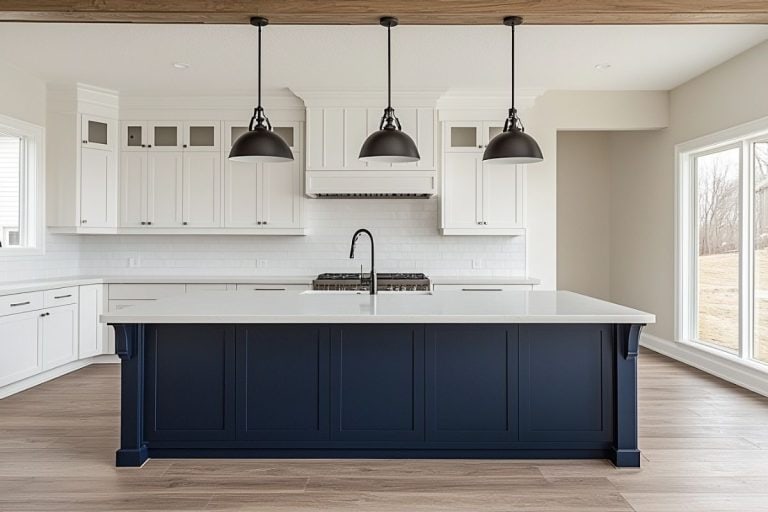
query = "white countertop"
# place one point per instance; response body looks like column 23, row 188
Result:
column 394, row 307
column 61, row 282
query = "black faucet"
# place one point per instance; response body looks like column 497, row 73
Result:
column 374, row 286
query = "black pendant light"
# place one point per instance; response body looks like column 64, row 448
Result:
column 513, row 145
column 260, row 143
column 390, row 144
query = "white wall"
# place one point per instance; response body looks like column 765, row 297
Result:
column 577, row 111
column 584, row 213
column 643, row 190
column 405, row 232
column 22, row 96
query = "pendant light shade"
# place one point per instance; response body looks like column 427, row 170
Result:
column 389, row 144
column 512, row 145
column 260, row 143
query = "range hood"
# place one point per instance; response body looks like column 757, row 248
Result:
column 368, row 184
column 337, row 124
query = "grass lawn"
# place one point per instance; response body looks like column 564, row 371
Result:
column 719, row 301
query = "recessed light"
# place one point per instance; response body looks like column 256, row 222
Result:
column 180, row 65
column 602, row 66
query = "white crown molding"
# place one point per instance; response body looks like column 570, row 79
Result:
column 367, row 98
column 275, row 99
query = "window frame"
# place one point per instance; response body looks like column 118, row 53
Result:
column 742, row 137
column 31, row 187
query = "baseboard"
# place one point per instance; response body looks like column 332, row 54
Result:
column 36, row 380
column 732, row 371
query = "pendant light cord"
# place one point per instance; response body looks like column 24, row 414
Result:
column 259, row 105
column 389, row 67
column 513, row 67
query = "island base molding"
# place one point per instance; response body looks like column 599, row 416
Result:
column 485, row 391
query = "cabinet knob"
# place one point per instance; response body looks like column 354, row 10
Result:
column 149, row 223
column 149, row 145
column 143, row 223
column 184, row 145
column 143, row 145
column 479, row 145
column 84, row 221
column 258, row 223
column 485, row 223
column 265, row 222
column 480, row 223
column 184, row 223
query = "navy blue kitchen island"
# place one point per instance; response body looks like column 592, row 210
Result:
column 395, row 389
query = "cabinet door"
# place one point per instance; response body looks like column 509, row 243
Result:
column 502, row 196
column 201, row 136
column 471, row 383
column 190, row 382
column 165, row 136
column 242, row 185
column 462, row 207
column 59, row 336
column 281, row 194
column 19, row 346
column 164, row 186
column 242, row 195
column 565, row 382
column 133, row 188
column 97, row 132
column 463, row 137
column 97, row 186
column 377, row 383
column 133, row 136
column 282, row 382
column 201, row 201
column 91, row 338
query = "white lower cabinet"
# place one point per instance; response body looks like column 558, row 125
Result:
column 59, row 336
column 91, row 331
column 19, row 346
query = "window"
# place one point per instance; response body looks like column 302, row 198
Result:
column 722, row 232
column 20, row 187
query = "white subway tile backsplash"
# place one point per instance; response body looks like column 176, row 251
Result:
column 405, row 230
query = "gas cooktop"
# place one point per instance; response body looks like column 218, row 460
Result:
column 387, row 281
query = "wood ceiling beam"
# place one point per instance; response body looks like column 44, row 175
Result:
column 411, row 12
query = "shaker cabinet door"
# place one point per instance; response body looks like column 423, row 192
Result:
column 377, row 383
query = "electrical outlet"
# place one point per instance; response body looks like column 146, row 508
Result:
column 477, row 263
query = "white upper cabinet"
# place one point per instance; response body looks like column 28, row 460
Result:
column 133, row 136
column 264, row 196
column 201, row 136
column 97, row 132
column 164, row 189
column 462, row 191
column 170, row 175
column 336, row 134
column 465, row 137
column 133, row 188
column 165, row 136
column 201, row 189
column 479, row 198
column 81, row 152
column 98, row 182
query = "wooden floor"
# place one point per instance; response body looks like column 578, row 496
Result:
column 704, row 442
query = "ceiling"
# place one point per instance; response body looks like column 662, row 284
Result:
column 138, row 59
